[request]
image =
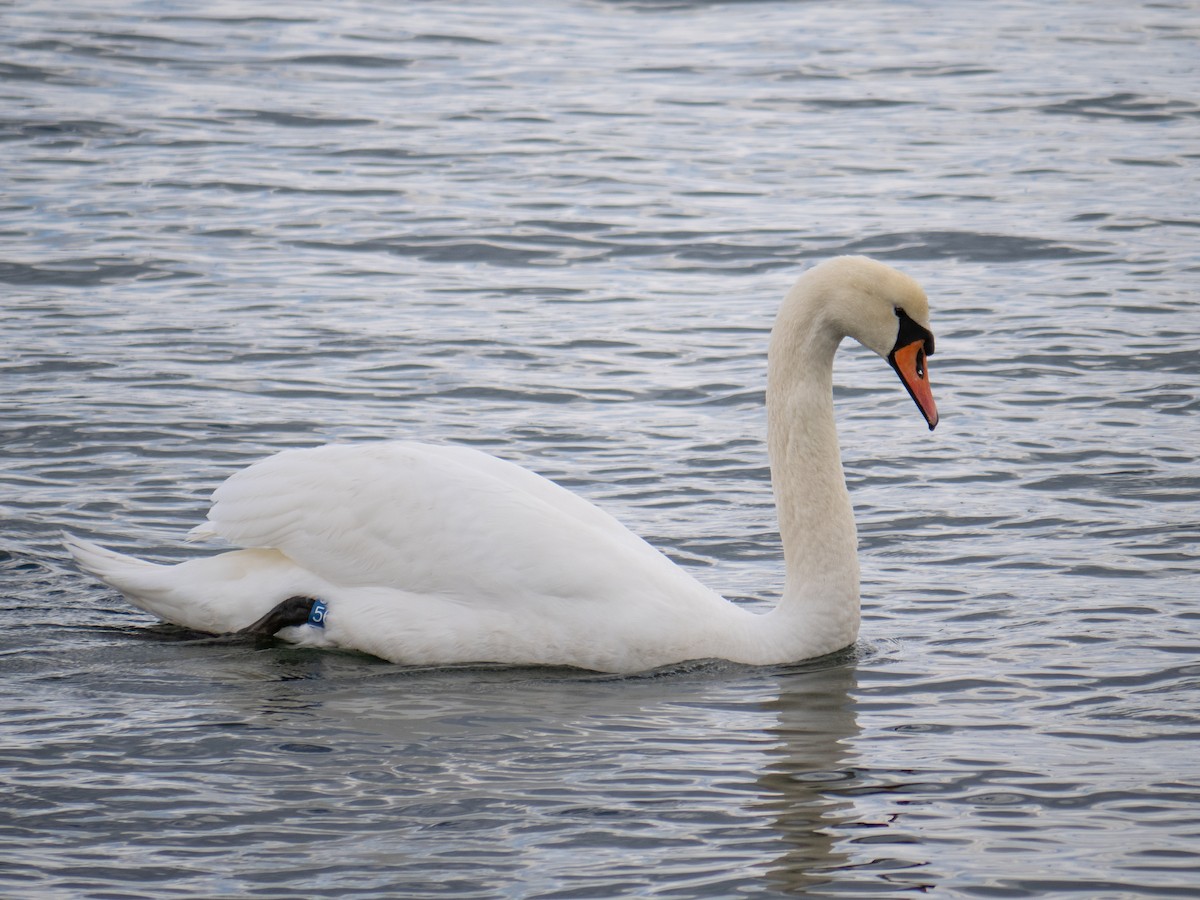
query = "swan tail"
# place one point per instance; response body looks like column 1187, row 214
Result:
column 216, row 594
column 125, row 573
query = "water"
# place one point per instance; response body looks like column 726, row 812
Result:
column 559, row 232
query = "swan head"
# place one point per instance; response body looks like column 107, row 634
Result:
column 881, row 308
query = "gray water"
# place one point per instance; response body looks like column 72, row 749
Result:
column 559, row 232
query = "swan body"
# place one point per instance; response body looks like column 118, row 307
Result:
column 434, row 555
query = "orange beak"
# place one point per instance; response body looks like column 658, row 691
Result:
column 909, row 363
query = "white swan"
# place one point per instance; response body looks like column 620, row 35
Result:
column 437, row 555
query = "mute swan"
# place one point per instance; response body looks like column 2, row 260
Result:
column 436, row 555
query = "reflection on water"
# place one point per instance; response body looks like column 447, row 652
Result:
column 801, row 785
column 559, row 232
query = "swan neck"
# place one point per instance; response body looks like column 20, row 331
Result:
column 816, row 519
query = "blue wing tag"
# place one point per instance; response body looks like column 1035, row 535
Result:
column 316, row 618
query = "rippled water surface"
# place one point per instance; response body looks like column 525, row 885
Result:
column 559, row 231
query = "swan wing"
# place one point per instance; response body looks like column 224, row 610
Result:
column 432, row 520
